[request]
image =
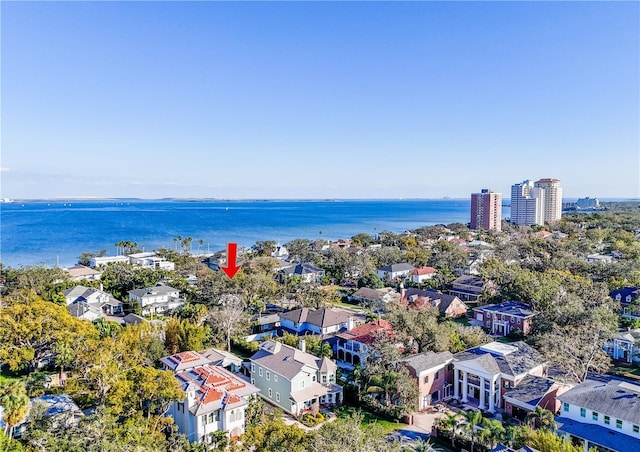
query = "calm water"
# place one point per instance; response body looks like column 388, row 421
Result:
column 50, row 232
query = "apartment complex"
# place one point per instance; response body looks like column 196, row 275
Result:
column 486, row 210
column 536, row 203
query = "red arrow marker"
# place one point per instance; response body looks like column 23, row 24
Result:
column 231, row 269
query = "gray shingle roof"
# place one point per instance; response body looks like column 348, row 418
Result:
column 397, row 268
column 428, row 360
column 617, row 398
column 513, row 308
column 284, row 360
column 519, row 361
column 530, row 390
column 323, row 317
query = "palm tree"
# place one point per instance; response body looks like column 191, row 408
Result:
column 451, row 422
column 14, row 400
column 492, row 432
column 473, row 418
column 541, row 418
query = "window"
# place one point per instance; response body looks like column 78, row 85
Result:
column 301, row 384
column 260, row 371
column 518, row 321
column 607, row 420
column 583, row 412
column 277, row 396
column 507, row 384
column 437, row 375
column 618, row 423
column 268, row 375
column 181, row 407
column 253, row 367
column 253, row 381
column 636, row 429
column 275, row 377
column 270, row 393
column 594, row 416
column 565, row 406
column 426, row 379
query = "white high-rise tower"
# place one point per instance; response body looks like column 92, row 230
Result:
column 527, row 204
column 552, row 198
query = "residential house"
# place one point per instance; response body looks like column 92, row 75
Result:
column 317, row 321
column 621, row 347
column 151, row 260
column 434, row 375
column 629, row 299
column 90, row 304
column 599, row 258
column 422, row 274
column 504, row 318
column 96, row 262
column 353, row 347
column 132, row 319
column 604, row 412
column 223, row 358
column 158, row 299
column 60, row 409
column 308, row 273
column 449, row 306
column 216, row 399
column 395, row 271
column 294, row 380
column 469, row 288
column 533, row 391
column 80, row 272
column 483, row 374
column 376, row 298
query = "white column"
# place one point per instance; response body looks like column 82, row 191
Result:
column 456, row 384
column 492, row 396
column 465, row 386
column 482, row 407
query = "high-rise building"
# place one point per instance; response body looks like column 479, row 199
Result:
column 527, row 204
column 486, row 210
column 552, row 198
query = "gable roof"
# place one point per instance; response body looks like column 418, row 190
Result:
column 397, row 268
column 184, row 360
column 427, row 360
column 322, row 318
column 418, row 298
column 424, row 271
column 78, row 271
column 158, row 289
column 511, row 359
column 302, row 269
column 512, row 308
column 625, row 291
column 608, row 395
column 286, row 360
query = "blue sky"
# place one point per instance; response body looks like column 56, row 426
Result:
column 318, row 100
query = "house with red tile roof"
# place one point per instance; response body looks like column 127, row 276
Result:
column 216, row 399
column 353, row 347
column 422, row 274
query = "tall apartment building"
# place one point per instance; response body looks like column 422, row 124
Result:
column 535, row 203
column 527, row 204
column 486, row 210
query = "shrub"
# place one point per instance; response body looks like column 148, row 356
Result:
column 311, row 420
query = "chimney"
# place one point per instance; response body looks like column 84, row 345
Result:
column 350, row 324
column 402, row 291
column 302, row 345
column 101, row 288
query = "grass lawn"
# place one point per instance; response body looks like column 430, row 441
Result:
column 4, row 379
column 369, row 418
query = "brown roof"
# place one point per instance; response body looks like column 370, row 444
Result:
column 367, row 333
column 424, row 271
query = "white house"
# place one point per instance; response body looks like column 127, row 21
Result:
column 622, row 347
column 157, row 299
column 90, row 304
column 216, row 398
column 293, row 379
column 96, row 262
column 604, row 412
column 422, row 274
column 395, row 271
column 151, row 260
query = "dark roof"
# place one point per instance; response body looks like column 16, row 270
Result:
column 531, row 390
column 319, row 317
column 624, row 291
column 157, row 289
column 366, row 293
column 432, row 297
column 516, row 359
column 599, row 435
column 302, row 269
column 132, row 319
column 615, row 397
column 512, row 308
column 402, row 267
column 428, row 360
column 469, row 280
column 57, row 404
